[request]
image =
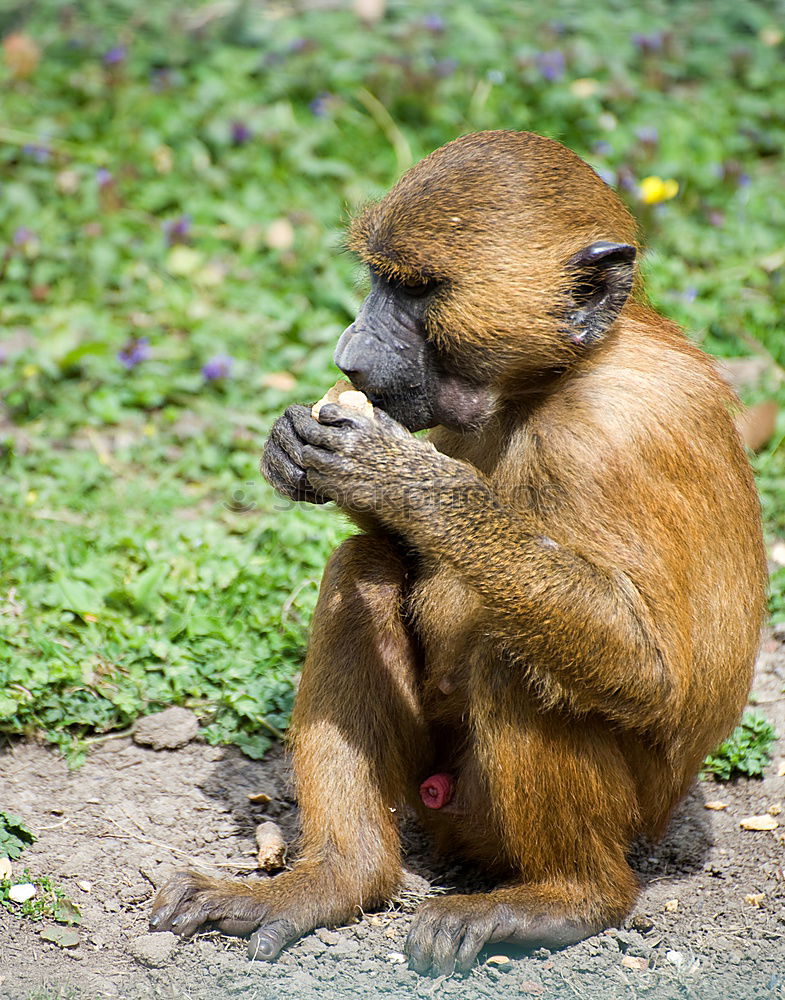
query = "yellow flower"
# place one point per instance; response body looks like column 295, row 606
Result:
column 586, row 86
column 149, row 430
column 654, row 190
column 31, row 497
column 163, row 159
column 30, row 371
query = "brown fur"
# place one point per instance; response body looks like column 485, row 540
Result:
column 571, row 623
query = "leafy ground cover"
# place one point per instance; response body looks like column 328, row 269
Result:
column 174, row 181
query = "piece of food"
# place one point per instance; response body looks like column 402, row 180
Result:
column 271, row 846
column 343, row 394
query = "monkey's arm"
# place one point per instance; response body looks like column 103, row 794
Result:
column 550, row 607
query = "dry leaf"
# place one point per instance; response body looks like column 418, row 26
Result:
column 757, row 424
column 5, row 868
column 272, row 846
column 775, row 809
column 84, row 885
column 262, row 797
column 283, row 381
column 22, row 55
column 715, row 805
column 634, row 962
column 66, row 937
column 672, row 905
column 781, row 769
column 370, row 11
column 501, row 962
column 756, row 898
column 280, row 235
column 764, row 822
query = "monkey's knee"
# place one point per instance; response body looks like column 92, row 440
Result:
column 370, row 562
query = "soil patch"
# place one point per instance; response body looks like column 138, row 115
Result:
column 710, row 922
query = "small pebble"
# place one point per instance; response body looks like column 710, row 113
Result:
column 21, row 893
column 166, row 730
column 675, row 958
column 634, row 962
column 154, row 950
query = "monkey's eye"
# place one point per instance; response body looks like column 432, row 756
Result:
column 415, row 287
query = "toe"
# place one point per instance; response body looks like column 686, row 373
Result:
column 267, row 941
column 419, row 947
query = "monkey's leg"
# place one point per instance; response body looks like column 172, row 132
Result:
column 357, row 735
column 561, row 813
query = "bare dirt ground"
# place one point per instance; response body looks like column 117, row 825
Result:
column 710, row 922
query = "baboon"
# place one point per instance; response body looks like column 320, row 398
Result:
column 552, row 609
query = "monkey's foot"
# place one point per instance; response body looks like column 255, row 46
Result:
column 449, row 933
column 190, row 900
column 273, row 911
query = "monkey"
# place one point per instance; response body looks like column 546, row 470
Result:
column 551, row 610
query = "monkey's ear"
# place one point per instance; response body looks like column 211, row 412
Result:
column 603, row 279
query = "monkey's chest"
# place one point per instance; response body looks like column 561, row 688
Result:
column 449, row 622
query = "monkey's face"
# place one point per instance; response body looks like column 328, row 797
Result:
column 387, row 355
column 496, row 264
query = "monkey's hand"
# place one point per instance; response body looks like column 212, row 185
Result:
column 282, row 462
column 371, row 465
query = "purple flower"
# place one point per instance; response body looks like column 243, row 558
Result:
column 161, row 79
column 434, row 23
column 602, row 147
column 115, row 55
column 648, row 43
column 647, row 135
column 444, row 68
column 39, row 153
column 103, row 177
column 23, row 236
column 609, row 176
column 551, row 64
column 715, row 217
column 218, row 367
column 626, row 179
column 177, row 230
column 240, row 133
column 689, row 294
column 744, row 180
column 320, row 105
column 134, row 352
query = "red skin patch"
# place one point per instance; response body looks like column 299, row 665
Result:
column 437, row 791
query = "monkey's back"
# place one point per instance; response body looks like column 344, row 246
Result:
column 636, row 465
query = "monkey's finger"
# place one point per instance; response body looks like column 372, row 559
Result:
column 389, row 425
column 268, row 940
column 333, row 415
column 236, row 927
column 283, row 432
column 419, row 947
column 475, row 938
column 281, row 472
column 319, row 460
column 445, row 948
column 329, row 434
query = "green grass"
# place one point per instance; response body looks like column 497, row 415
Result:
column 747, row 750
column 143, row 560
column 49, row 902
column 15, row 835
